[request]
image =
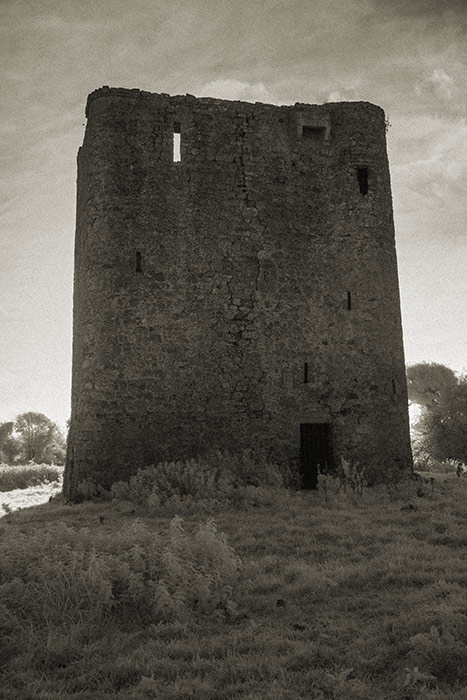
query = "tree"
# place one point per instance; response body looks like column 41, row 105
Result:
column 428, row 382
column 442, row 427
column 9, row 447
column 56, row 450
column 40, row 439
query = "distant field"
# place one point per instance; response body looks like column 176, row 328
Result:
column 332, row 597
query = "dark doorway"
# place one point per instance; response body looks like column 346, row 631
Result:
column 315, row 452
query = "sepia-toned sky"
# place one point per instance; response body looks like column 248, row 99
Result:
column 408, row 56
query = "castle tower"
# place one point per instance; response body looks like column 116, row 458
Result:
column 235, row 287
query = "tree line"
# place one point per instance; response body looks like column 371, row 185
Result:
column 31, row 437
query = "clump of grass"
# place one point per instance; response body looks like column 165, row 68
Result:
column 352, row 476
column 441, row 653
column 61, row 575
column 348, row 481
column 23, row 477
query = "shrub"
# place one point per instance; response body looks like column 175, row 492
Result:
column 248, row 470
column 426, row 463
column 87, row 489
column 216, row 477
column 12, row 478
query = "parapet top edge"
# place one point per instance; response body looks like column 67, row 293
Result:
column 136, row 93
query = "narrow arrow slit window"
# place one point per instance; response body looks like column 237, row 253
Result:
column 362, row 177
column 177, row 137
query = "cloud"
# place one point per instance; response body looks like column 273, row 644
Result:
column 439, row 84
column 442, row 81
column 430, row 175
column 437, row 9
column 346, row 94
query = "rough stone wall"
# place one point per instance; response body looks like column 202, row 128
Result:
column 204, row 287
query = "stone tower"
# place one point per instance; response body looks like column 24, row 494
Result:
column 235, row 287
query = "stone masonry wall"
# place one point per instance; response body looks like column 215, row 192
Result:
column 225, row 299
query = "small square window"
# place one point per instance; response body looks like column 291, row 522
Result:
column 317, row 134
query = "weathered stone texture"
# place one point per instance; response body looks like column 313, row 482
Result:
column 251, row 251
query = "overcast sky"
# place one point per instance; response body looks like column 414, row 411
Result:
column 408, row 56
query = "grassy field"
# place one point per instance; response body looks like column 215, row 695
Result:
column 322, row 595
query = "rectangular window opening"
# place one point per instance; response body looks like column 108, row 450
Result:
column 362, row 177
column 305, row 373
column 394, row 386
column 177, row 156
column 138, row 262
column 317, row 134
column 349, row 301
